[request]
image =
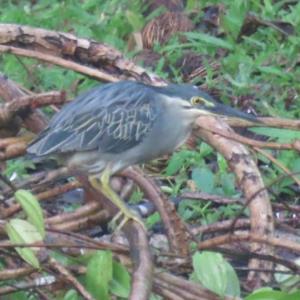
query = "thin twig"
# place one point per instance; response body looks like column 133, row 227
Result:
column 68, row 64
column 278, row 164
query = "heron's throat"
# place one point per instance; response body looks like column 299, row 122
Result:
column 194, row 112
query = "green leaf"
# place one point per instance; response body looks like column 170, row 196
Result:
column 269, row 294
column 22, row 232
column 215, row 273
column 120, row 285
column 233, row 20
column 175, row 164
column 233, row 283
column 192, row 5
column 272, row 70
column 227, row 182
column 282, row 135
column 153, row 219
column 135, row 20
column 32, row 207
column 71, row 295
column 99, row 274
column 207, row 39
column 19, row 166
column 205, row 149
column 19, row 296
column 296, row 167
column 222, row 163
column 287, row 282
column 210, row 272
column 204, row 179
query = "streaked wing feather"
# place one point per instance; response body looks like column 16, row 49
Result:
column 111, row 126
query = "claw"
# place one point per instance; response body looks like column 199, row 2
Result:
column 127, row 216
column 104, row 187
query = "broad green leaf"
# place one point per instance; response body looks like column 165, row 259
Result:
column 215, row 273
column 210, row 271
column 71, row 295
column 68, row 260
column 269, row 294
column 292, row 296
column 227, row 182
column 22, row 295
column 120, row 285
column 99, row 274
column 233, row 283
column 204, row 179
column 32, row 207
column 205, row 149
column 22, row 232
column 288, row 282
column 29, row 234
column 175, row 164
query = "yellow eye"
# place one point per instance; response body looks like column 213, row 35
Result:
column 197, row 100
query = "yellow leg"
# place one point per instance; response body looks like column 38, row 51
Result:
column 104, row 187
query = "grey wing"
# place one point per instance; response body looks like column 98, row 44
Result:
column 111, row 128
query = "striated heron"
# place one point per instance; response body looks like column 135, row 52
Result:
column 117, row 125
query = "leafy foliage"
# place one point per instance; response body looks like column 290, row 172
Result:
column 262, row 66
column 27, row 232
column 215, row 273
column 269, row 294
column 31, row 206
column 18, row 167
column 104, row 275
column 22, row 232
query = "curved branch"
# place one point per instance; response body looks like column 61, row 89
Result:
column 250, row 237
column 142, row 276
column 79, row 51
column 250, row 181
column 175, row 228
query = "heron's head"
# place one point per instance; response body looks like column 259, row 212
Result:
column 189, row 97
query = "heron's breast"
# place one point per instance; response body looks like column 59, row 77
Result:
column 168, row 133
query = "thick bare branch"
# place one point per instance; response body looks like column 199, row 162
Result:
column 175, row 228
column 250, row 181
column 96, row 56
column 34, row 120
column 10, row 109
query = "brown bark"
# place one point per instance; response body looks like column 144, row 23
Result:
column 251, row 183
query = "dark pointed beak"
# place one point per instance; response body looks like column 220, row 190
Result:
column 227, row 111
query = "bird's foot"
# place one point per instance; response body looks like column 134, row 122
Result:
column 104, row 187
column 126, row 216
